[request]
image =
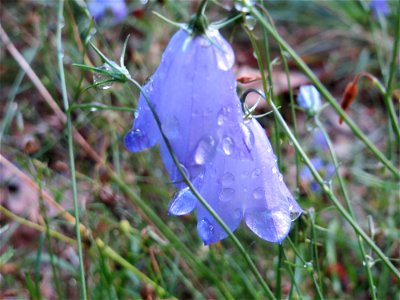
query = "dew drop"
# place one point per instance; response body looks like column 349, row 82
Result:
column 228, row 145
column 241, row 5
column 256, row 172
column 248, row 136
column 185, row 170
column 224, row 53
column 250, row 22
column 227, row 179
column 258, row 193
column 205, row 229
column 205, row 150
column 226, row 194
column 280, row 177
column 183, row 203
column 294, row 215
column 136, row 140
column 171, row 127
column 136, row 114
column 274, row 170
column 99, row 77
column 148, row 85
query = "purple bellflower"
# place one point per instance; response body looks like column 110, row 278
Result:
column 98, row 8
column 379, row 7
column 228, row 159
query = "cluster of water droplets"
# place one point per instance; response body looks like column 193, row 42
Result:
column 103, row 81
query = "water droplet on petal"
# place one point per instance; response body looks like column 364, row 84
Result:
column 294, row 213
column 228, row 145
column 205, row 229
column 274, row 170
column 227, row 194
column 183, row 203
column 223, row 53
column 171, row 127
column 99, row 77
column 294, row 216
column 223, row 116
column 258, row 193
column 250, row 22
column 227, row 179
column 185, row 170
column 256, row 172
column 280, row 177
column 136, row 140
column 248, row 136
column 205, row 150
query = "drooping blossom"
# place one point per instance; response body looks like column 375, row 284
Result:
column 309, row 98
column 192, row 90
column 229, row 160
column 118, row 8
column 379, row 7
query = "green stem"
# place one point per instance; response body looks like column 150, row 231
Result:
column 43, row 229
column 349, row 207
column 324, row 92
column 332, row 196
column 169, row 235
column 234, row 239
column 70, row 147
column 109, row 252
column 389, row 84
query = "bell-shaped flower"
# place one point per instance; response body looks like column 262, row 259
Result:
column 236, row 189
column 229, row 160
column 193, row 91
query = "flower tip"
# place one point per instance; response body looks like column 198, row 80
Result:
column 136, row 140
column 183, row 203
column 270, row 225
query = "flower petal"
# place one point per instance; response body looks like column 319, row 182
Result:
column 270, row 225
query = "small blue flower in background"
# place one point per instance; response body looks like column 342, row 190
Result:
column 379, row 7
column 228, row 159
column 98, row 9
column 325, row 169
column 309, row 98
column 319, row 140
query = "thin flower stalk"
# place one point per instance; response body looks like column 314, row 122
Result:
column 60, row 57
column 324, row 92
column 345, row 195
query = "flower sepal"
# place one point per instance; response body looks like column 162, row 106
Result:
column 110, row 71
